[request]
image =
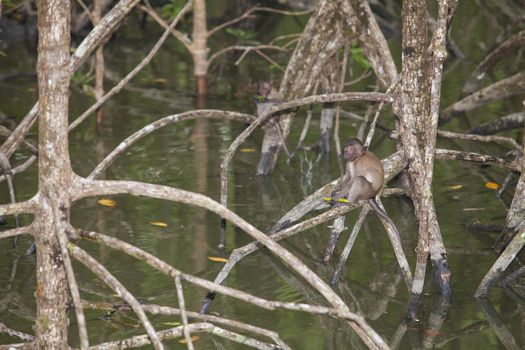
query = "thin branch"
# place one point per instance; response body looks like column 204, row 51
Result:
column 350, row 243
column 244, row 48
column 276, row 109
column 73, row 289
column 117, row 88
column 247, row 14
column 183, row 38
column 372, row 129
column 504, row 88
column 169, row 270
column 130, row 140
column 183, row 315
column 99, row 270
column 17, row 334
column 104, row 28
column 481, row 138
column 483, row 159
column 22, row 167
column 513, row 43
column 86, row 11
column 25, row 207
column 142, row 340
column 13, row 232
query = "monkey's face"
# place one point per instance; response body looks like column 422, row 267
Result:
column 352, row 150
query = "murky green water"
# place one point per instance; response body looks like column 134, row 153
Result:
column 187, row 155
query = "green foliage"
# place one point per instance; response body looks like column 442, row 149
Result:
column 171, row 9
column 359, row 57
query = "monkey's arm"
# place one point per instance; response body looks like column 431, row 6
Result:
column 342, row 188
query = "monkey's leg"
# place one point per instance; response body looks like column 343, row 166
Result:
column 359, row 188
column 355, row 189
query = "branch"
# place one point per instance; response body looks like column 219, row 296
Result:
column 17, row 334
column 142, row 340
column 22, row 167
column 93, row 188
column 183, row 38
column 16, row 231
column 104, row 28
column 473, row 137
column 130, row 140
column 484, row 159
column 117, row 88
column 25, row 207
column 73, row 288
column 510, row 86
column 274, row 110
column 508, row 122
column 513, row 43
column 247, row 14
column 102, row 273
column 183, row 314
column 244, row 48
column 170, row 311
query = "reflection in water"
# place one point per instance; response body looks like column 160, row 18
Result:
column 187, row 156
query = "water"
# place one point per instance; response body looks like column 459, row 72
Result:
column 187, row 155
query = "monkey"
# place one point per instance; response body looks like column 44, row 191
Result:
column 363, row 180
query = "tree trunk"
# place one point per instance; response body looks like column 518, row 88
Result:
column 54, row 172
column 199, row 47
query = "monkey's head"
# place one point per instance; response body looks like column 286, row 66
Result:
column 353, row 149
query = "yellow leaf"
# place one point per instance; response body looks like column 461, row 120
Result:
column 174, row 324
column 455, row 187
column 183, row 341
column 159, row 80
column 158, row 223
column 110, row 203
column 491, row 185
column 217, row 259
column 247, row 150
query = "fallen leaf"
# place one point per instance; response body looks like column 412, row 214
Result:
column 183, row 341
column 158, row 223
column 491, row 185
column 159, row 80
column 247, row 150
column 110, row 203
column 218, row 259
column 455, row 187
column 174, row 324
column 473, row 209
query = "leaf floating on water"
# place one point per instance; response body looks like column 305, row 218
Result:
column 174, row 324
column 491, row 185
column 473, row 209
column 217, row 259
column 110, row 203
column 158, row 223
column 159, row 80
column 455, row 187
column 247, row 150
column 183, row 341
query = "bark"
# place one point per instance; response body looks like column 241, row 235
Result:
column 418, row 109
column 54, row 173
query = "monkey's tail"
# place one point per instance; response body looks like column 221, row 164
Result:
column 383, row 214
